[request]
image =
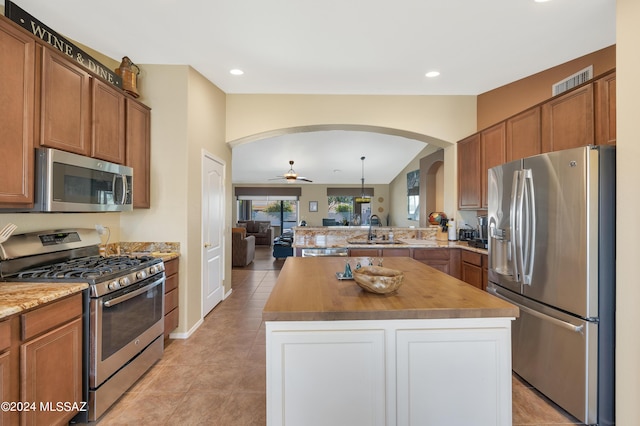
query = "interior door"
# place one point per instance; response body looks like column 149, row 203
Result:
column 213, row 207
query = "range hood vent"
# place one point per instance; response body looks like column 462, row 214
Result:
column 572, row 81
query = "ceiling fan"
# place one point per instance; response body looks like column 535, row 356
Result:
column 292, row 176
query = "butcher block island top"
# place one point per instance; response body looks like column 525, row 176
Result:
column 308, row 290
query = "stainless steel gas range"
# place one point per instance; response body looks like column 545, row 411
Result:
column 124, row 330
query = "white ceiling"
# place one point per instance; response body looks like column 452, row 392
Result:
column 338, row 47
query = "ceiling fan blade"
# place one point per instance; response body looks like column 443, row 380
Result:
column 304, row 179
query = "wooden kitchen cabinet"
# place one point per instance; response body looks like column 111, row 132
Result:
column 364, row 252
column 605, row 104
column 568, row 120
column 17, row 87
column 64, row 104
column 171, row 299
column 138, row 151
column 472, row 269
column 5, row 369
column 469, row 166
column 51, row 359
column 108, row 118
column 492, row 142
column 524, row 137
column 438, row 258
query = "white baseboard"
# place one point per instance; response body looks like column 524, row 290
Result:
column 188, row 334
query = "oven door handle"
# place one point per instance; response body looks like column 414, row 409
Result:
column 125, row 297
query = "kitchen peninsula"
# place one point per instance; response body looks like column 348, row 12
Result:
column 437, row 351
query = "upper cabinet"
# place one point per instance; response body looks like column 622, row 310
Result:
column 65, row 104
column 582, row 116
column 492, row 141
column 524, row 135
column 469, row 165
column 16, row 116
column 139, row 151
column 605, row 104
column 50, row 101
column 567, row 120
column 108, row 113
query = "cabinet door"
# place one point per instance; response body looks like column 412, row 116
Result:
column 436, row 258
column 390, row 252
column 567, row 121
column 327, row 377
column 493, row 154
column 51, row 371
column 363, row 252
column 524, row 135
column 5, row 386
column 16, row 116
column 139, row 151
column 606, row 110
column 65, row 118
column 108, row 123
column 469, row 173
column 472, row 274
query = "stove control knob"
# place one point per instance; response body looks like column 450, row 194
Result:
column 141, row 274
column 154, row 269
column 114, row 285
column 124, row 281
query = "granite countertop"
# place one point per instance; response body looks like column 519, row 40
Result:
column 18, row 297
column 307, row 289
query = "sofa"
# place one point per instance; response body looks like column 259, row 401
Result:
column 260, row 229
column 243, row 247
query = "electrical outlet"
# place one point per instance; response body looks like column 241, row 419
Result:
column 101, row 230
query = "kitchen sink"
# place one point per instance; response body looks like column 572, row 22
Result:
column 386, row 242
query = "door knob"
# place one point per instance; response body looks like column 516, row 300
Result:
column 207, row 245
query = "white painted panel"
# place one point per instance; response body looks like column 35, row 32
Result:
column 453, row 377
column 327, row 378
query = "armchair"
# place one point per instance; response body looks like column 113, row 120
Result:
column 243, row 247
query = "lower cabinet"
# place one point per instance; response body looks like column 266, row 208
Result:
column 41, row 364
column 474, row 269
column 171, row 299
column 442, row 259
column 394, row 372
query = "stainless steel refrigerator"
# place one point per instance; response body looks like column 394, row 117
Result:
column 551, row 223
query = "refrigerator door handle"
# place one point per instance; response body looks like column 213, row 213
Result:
column 544, row 317
column 513, row 218
column 518, row 225
column 529, row 223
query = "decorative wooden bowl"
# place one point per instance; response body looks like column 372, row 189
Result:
column 378, row 279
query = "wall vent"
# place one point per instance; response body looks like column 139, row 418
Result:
column 572, row 81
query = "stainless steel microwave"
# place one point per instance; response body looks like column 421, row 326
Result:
column 66, row 182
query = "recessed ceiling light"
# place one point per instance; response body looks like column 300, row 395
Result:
column 236, row 71
column 432, row 74
column 541, row 1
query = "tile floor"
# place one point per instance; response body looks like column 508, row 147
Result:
column 217, row 376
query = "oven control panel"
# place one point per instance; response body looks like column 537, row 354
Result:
column 59, row 238
column 100, row 289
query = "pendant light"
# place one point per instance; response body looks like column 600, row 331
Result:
column 363, row 198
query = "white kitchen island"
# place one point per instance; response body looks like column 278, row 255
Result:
column 436, row 352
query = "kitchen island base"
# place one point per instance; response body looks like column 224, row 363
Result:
column 453, row 371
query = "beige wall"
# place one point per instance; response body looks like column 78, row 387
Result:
column 188, row 114
column 628, row 206
column 439, row 120
column 505, row 101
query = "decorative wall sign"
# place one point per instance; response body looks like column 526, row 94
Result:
column 46, row 34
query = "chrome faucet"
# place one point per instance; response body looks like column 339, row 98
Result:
column 370, row 235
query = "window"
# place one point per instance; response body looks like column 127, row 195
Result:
column 346, row 211
column 413, row 195
column 278, row 205
column 282, row 213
